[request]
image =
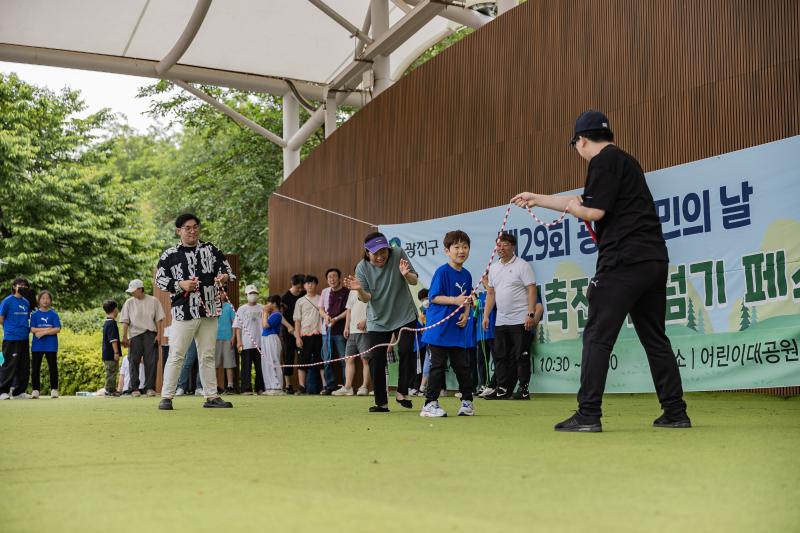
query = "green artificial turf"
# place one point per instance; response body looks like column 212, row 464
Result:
column 324, row 464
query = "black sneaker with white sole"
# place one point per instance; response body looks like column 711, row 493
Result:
column 673, row 421
column 522, row 394
column 165, row 404
column 580, row 424
column 217, row 403
column 499, row 394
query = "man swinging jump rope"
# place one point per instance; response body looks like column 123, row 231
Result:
column 631, row 274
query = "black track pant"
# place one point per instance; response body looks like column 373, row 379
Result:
column 459, row 360
column 16, row 369
column 36, row 369
column 512, row 358
column 407, row 368
column 613, row 293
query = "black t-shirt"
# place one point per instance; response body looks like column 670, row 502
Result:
column 290, row 300
column 630, row 231
column 110, row 333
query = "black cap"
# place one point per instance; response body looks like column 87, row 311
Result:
column 590, row 120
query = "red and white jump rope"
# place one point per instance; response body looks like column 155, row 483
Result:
column 388, row 345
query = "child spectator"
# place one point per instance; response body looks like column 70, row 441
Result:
column 308, row 330
column 451, row 287
column 45, row 326
column 224, row 354
column 111, row 346
column 124, row 381
column 271, row 319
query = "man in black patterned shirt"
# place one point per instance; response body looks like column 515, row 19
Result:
column 191, row 271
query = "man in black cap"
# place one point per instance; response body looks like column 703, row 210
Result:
column 631, row 274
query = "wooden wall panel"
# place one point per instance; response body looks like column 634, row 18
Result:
column 681, row 80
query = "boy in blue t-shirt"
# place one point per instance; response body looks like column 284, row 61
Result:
column 45, row 326
column 111, row 346
column 15, row 311
column 451, row 287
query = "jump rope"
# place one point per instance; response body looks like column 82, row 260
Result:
column 390, row 345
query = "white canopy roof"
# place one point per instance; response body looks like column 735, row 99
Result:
column 247, row 44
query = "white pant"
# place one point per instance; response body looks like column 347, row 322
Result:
column 271, row 362
column 204, row 333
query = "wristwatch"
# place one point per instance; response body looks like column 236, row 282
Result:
column 531, row 315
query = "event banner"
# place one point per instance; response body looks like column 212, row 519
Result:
column 732, row 227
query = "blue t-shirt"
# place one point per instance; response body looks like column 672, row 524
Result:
column 15, row 312
column 45, row 319
column 225, row 322
column 273, row 324
column 480, row 333
column 110, row 334
column 447, row 281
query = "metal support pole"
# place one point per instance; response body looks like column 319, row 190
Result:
column 379, row 15
column 330, row 114
column 505, row 5
column 291, row 123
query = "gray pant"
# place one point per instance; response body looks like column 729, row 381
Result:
column 143, row 345
column 111, row 375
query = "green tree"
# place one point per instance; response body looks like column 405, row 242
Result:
column 701, row 324
column 753, row 316
column 65, row 220
column 690, row 322
column 223, row 172
column 744, row 323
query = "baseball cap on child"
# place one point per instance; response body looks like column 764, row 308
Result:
column 133, row 285
column 250, row 289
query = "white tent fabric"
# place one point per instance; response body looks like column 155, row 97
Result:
column 279, row 39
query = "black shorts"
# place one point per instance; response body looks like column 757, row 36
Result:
column 289, row 353
column 311, row 352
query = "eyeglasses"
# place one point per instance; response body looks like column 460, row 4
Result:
column 573, row 141
column 191, row 229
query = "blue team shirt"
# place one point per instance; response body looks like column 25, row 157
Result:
column 16, row 313
column 45, row 319
column 447, row 281
column 225, row 322
column 273, row 324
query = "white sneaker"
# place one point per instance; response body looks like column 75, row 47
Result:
column 23, row 396
column 34, row 395
column 412, row 392
column 53, row 393
column 466, row 409
column 5, row 396
column 362, row 391
column 343, row 391
column 458, row 395
column 273, row 392
column 136, row 393
column 198, row 392
column 180, row 392
column 432, row 410
column 486, row 392
column 150, row 393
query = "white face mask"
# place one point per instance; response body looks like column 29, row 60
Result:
column 252, row 298
column 426, row 303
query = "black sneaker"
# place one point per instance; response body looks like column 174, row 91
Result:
column 229, row 390
column 217, row 403
column 672, row 421
column 325, row 392
column 522, row 394
column 165, row 404
column 289, row 390
column 405, row 403
column 378, row 409
column 580, row 423
column 300, row 391
column 499, row 394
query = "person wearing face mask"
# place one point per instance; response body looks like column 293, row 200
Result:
column 382, row 278
column 15, row 311
column 247, row 327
